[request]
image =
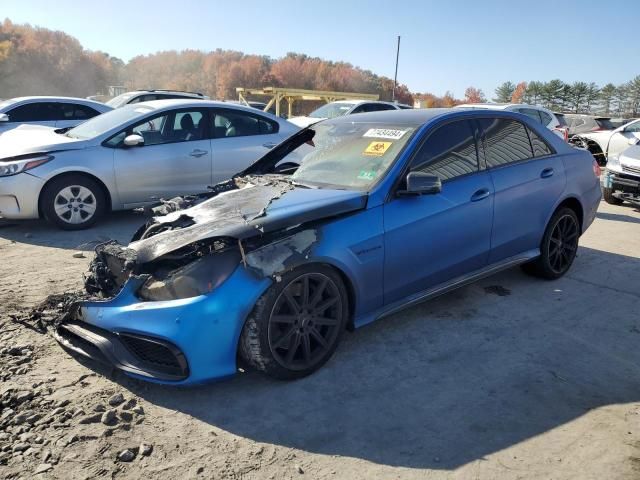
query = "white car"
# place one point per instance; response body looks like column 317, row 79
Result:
column 58, row 112
column 130, row 157
column 621, row 179
column 345, row 107
column 607, row 143
column 539, row 114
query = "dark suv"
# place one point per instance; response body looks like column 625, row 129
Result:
column 138, row 96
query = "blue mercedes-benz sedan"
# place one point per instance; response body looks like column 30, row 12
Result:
column 344, row 223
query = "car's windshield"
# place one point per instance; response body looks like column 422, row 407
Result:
column 107, row 121
column 120, row 100
column 332, row 110
column 349, row 155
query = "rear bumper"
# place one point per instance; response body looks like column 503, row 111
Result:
column 19, row 196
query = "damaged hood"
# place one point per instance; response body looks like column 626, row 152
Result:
column 260, row 206
column 35, row 139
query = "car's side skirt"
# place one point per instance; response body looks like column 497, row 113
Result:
column 448, row 286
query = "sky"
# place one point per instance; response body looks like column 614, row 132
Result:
column 446, row 45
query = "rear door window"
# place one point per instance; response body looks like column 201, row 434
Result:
column 238, row 123
column 72, row 111
column 449, row 152
column 539, row 145
column 505, row 141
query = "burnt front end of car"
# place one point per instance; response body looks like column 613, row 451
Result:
column 170, row 307
column 117, row 285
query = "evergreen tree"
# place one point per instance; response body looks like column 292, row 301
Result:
column 504, row 92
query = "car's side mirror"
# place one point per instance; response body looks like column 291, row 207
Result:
column 420, row 183
column 633, row 141
column 133, row 140
column 4, row 117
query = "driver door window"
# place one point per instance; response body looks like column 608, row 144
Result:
column 171, row 127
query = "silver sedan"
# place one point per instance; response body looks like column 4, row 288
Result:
column 130, row 157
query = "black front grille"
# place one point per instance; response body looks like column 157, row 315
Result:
column 163, row 357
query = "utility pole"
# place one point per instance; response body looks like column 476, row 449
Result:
column 395, row 77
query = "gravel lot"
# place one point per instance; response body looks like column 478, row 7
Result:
column 508, row 378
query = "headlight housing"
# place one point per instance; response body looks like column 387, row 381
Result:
column 199, row 277
column 22, row 163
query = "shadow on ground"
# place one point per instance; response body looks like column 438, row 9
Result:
column 450, row 381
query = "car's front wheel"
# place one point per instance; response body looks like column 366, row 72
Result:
column 558, row 247
column 296, row 325
column 73, row 202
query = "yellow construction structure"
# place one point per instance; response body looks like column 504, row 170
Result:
column 278, row 94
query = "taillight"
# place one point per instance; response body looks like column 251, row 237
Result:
column 596, row 169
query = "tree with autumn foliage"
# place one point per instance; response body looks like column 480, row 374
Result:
column 474, row 95
column 518, row 93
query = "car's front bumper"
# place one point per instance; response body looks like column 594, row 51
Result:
column 187, row 341
column 622, row 181
column 19, row 196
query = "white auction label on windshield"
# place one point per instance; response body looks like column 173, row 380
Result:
column 384, row 133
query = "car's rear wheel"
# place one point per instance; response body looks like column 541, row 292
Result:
column 297, row 323
column 73, row 202
column 607, row 194
column 558, row 247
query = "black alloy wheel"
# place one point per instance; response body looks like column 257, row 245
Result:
column 296, row 325
column 558, row 247
column 305, row 321
column 563, row 244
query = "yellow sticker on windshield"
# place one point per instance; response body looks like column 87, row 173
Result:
column 377, row 149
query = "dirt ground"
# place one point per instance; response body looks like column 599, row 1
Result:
column 509, row 378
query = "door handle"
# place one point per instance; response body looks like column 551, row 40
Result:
column 480, row 194
column 198, row 153
column 546, row 173
column 269, row 145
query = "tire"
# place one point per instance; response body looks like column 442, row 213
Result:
column 607, row 194
column 73, row 202
column 557, row 249
column 280, row 323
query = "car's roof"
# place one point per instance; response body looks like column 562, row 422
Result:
column 358, row 101
column 168, row 92
column 498, row 106
column 53, row 98
column 420, row 116
column 408, row 117
column 188, row 103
